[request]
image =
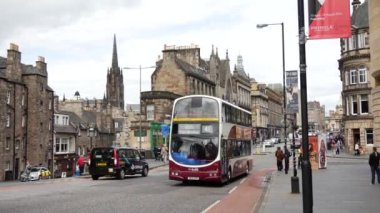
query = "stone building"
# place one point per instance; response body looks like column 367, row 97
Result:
column 180, row 72
column 333, row 122
column 260, row 114
column 115, row 83
column 357, row 84
column 267, row 110
column 374, row 42
column 94, row 123
column 316, row 116
column 101, row 122
column 275, row 112
column 26, row 115
column 65, row 137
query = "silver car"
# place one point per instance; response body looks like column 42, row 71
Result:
column 36, row 173
column 268, row 143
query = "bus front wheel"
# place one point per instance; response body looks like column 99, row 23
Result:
column 229, row 175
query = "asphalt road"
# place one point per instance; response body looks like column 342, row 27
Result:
column 134, row 194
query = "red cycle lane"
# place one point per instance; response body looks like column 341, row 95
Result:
column 246, row 197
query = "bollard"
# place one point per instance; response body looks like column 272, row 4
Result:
column 295, row 185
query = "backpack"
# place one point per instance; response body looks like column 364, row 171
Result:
column 279, row 155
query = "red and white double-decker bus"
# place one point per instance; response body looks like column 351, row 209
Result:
column 210, row 140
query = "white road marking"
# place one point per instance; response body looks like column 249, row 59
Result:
column 242, row 181
column 212, row 205
column 233, row 189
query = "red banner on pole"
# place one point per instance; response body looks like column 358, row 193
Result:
column 329, row 19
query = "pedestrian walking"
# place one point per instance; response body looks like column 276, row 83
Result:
column 279, row 157
column 27, row 169
column 299, row 159
column 356, row 148
column 373, row 161
column 333, row 145
column 157, row 152
column 164, row 153
column 81, row 163
column 337, row 148
column 287, row 156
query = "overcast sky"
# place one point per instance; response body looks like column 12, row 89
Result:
column 76, row 38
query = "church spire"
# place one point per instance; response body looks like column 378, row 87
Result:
column 114, row 53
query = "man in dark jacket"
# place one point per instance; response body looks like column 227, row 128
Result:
column 287, row 156
column 373, row 161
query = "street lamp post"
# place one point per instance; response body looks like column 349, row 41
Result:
column 283, row 76
column 140, row 68
column 91, row 133
column 294, row 179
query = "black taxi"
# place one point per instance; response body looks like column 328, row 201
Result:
column 118, row 162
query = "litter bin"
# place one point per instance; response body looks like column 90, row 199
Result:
column 8, row 175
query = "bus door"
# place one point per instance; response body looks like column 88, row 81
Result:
column 224, row 159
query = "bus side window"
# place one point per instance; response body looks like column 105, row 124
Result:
column 223, row 113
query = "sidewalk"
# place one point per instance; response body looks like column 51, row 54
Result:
column 343, row 187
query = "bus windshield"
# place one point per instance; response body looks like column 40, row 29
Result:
column 196, row 107
column 194, row 149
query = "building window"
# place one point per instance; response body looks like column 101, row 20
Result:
column 116, row 125
column 353, row 77
column 150, row 112
column 7, row 166
column 362, row 75
column 369, row 136
column 7, row 142
column 8, row 121
column 364, row 104
column 347, row 106
column 23, row 121
column 61, row 145
column 354, row 105
column 9, row 97
column 17, row 145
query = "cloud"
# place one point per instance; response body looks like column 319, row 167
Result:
column 75, row 37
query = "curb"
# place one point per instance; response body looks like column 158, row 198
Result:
column 266, row 183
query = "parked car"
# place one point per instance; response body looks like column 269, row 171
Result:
column 36, row 173
column 278, row 140
column 274, row 140
column 118, row 162
column 268, row 143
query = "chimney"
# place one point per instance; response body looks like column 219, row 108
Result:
column 41, row 65
column 13, row 70
column 14, row 56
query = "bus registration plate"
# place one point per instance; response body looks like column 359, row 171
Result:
column 193, row 178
